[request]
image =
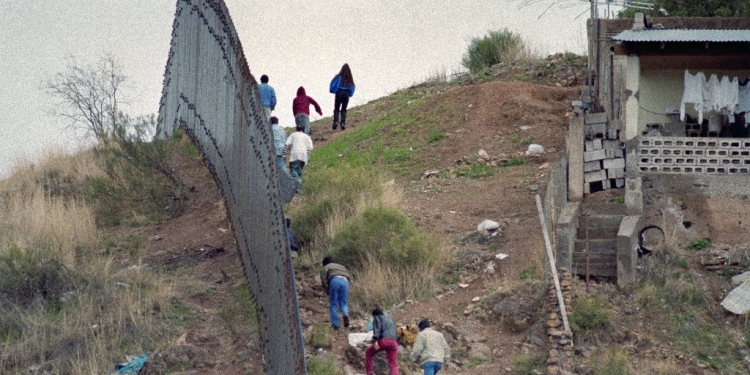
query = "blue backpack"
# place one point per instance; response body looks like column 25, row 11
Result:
column 334, row 87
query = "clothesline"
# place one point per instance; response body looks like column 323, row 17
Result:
column 715, row 95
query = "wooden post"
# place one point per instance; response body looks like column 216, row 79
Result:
column 552, row 266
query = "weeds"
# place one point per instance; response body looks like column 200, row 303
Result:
column 589, row 318
column 495, row 47
column 699, row 244
column 435, row 136
column 322, row 336
column 616, row 363
column 527, row 365
column 316, row 366
column 476, row 170
column 529, row 274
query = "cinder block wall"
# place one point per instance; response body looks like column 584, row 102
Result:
column 694, row 155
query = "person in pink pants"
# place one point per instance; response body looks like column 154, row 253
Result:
column 383, row 339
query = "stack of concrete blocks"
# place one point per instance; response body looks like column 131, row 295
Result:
column 603, row 156
column 694, row 155
column 561, row 359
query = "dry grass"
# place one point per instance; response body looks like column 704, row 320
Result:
column 107, row 313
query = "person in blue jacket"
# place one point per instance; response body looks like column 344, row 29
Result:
column 267, row 96
column 343, row 86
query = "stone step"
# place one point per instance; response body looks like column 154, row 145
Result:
column 597, row 233
column 601, row 221
column 600, row 264
column 604, row 246
column 604, row 208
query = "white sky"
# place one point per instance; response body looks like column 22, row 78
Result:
column 388, row 44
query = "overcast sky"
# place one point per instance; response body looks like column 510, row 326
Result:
column 388, row 44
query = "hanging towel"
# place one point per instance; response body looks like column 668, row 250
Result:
column 743, row 98
column 728, row 91
column 694, row 85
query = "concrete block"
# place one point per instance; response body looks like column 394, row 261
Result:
column 565, row 234
column 616, row 173
column 618, row 153
column 609, row 144
column 627, row 249
column 596, row 118
column 592, row 166
column 613, row 163
column 595, row 130
column 599, row 175
column 577, row 103
column 612, row 133
column 594, row 155
column 595, row 144
column 586, row 188
column 574, row 142
column 633, row 202
column 620, row 182
column 615, row 124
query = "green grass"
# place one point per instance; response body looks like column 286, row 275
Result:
column 529, row 274
column 474, row 362
column 476, row 170
column 495, row 47
column 435, row 137
column 589, row 318
column 615, row 363
column 322, row 336
column 699, row 244
column 527, row 365
column 316, row 366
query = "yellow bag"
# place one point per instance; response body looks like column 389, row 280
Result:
column 407, row 334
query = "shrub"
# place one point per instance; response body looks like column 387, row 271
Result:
column 139, row 180
column 329, row 197
column 495, row 47
column 386, row 235
column 27, row 276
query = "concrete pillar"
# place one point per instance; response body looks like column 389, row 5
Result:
column 565, row 234
column 632, row 85
column 627, row 249
column 634, row 195
column 575, row 139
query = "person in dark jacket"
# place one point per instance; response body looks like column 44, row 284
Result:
column 343, row 86
column 383, row 339
column 301, row 108
column 293, row 246
column 335, row 279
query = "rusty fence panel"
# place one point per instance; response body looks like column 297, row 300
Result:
column 210, row 94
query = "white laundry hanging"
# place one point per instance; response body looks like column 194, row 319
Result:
column 693, row 93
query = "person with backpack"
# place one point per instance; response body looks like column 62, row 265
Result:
column 301, row 108
column 343, row 86
column 301, row 147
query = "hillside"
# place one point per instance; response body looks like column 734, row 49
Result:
column 455, row 155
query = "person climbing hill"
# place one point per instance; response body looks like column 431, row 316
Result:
column 343, row 86
column 301, row 147
column 301, row 109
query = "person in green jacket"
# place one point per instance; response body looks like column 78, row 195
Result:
column 335, row 279
column 430, row 349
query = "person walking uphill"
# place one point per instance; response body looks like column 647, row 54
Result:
column 384, row 338
column 335, row 279
column 267, row 96
column 301, row 109
column 279, row 141
column 431, row 349
column 301, row 147
column 343, row 86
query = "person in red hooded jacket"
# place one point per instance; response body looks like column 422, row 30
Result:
column 301, row 109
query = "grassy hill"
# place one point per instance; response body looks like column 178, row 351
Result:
column 90, row 274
